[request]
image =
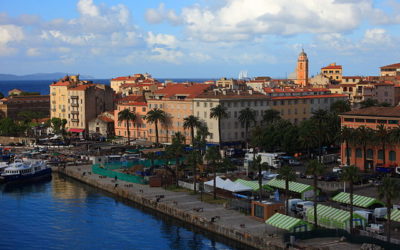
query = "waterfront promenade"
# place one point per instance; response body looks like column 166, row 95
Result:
column 186, row 207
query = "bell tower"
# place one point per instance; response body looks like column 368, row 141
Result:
column 302, row 69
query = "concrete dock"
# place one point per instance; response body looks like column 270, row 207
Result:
column 185, row 207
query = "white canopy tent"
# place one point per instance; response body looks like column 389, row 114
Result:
column 225, row 185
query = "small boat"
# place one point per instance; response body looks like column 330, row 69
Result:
column 25, row 170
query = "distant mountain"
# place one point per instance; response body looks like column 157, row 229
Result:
column 39, row 76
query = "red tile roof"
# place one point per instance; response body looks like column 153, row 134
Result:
column 351, row 77
column 307, row 96
column 190, row 91
column 124, row 78
column 376, row 111
column 131, row 98
column 292, row 90
column 60, row 83
column 333, row 67
column 82, row 87
column 105, row 118
column 396, row 65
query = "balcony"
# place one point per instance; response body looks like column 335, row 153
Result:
column 53, row 93
column 53, row 110
column 62, row 110
column 75, row 112
column 75, row 120
column 74, row 104
column 53, row 102
column 74, row 97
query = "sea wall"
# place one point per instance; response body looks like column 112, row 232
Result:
column 171, row 210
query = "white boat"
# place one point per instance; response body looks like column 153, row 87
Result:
column 25, row 170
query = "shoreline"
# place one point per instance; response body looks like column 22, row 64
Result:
column 180, row 206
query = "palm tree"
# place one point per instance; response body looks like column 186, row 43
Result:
column 194, row 159
column 307, row 138
column 127, row 116
column 176, row 150
column 257, row 165
column 219, row 112
column 351, row 175
column 383, row 137
column 346, row 135
column 320, row 116
column 340, row 106
column 364, row 137
column 286, row 173
column 315, row 168
column 191, row 122
column 156, row 116
column 271, row 115
column 201, row 137
column 389, row 190
column 247, row 116
column 213, row 156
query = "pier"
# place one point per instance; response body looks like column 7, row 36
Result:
column 185, row 207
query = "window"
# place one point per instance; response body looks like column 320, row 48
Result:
column 358, row 153
column 370, row 153
column 205, row 105
column 380, row 154
column 360, row 120
column 392, row 155
column 242, row 104
column 382, row 121
column 258, row 211
column 348, row 153
column 349, row 119
column 370, row 120
column 211, row 104
column 235, row 114
column 198, row 104
column 393, row 122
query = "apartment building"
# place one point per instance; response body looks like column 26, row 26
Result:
column 79, row 102
column 177, row 102
column 137, row 128
column 12, row 106
column 371, row 117
column 333, row 72
column 117, row 82
column 390, row 70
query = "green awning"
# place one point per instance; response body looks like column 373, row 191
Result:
column 395, row 215
column 358, row 200
column 334, row 218
column 253, row 184
column 288, row 223
column 293, row 186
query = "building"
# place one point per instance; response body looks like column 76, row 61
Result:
column 390, row 70
column 333, row 72
column 319, row 81
column 79, row 102
column 138, row 128
column 15, row 92
column 102, row 125
column 227, row 83
column 302, row 69
column 371, row 117
column 177, row 101
column 12, row 106
column 117, row 82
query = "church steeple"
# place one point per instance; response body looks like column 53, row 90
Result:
column 302, row 69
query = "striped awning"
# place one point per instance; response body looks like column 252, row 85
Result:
column 288, row 223
column 358, row 200
column 293, row 186
column 253, row 184
column 333, row 217
column 395, row 215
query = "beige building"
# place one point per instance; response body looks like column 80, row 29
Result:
column 79, row 102
column 390, row 70
column 117, row 82
column 333, row 72
column 227, row 83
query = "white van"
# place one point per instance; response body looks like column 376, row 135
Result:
column 300, row 205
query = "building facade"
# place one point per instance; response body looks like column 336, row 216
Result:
column 333, row 72
column 302, row 69
column 390, row 70
column 12, row 106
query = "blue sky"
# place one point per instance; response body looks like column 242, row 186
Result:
column 204, row 38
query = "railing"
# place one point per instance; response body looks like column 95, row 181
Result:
column 75, row 112
column 74, row 104
column 75, row 120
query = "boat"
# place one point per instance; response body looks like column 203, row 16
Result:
column 25, row 170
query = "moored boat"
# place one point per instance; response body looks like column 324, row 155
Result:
column 25, row 170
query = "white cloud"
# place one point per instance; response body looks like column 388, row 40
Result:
column 377, row 36
column 10, row 34
column 33, row 52
column 86, row 7
column 242, row 19
column 160, row 14
column 161, row 39
column 68, row 39
column 166, row 55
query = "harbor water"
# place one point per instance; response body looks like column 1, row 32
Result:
column 62, row 213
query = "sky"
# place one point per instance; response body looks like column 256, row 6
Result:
column 196, row 38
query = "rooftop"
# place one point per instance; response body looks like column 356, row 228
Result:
column 190, row 91
column 376, row 111
column 395, row 65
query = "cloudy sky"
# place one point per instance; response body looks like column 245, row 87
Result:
column 203, row 38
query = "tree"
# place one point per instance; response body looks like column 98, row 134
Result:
column 127, row 116
column 156, row 116
column 368, row 103
column 346, row 136
column 257, row 165
column 8, row 127
column 1, row 95
column 176, row 150
column 271, row 116
column 383, row 137
column 286, row 173
column 246, row 116
column 191, row 122
column 213, row 157
column 351, row 175
column 219, row 113
column 315, row 168
column 201, row 138
column 389, row 191
column 340, row 106
column 194, row 159
column 320, row 117
column 364, row 137
column 307, row 138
